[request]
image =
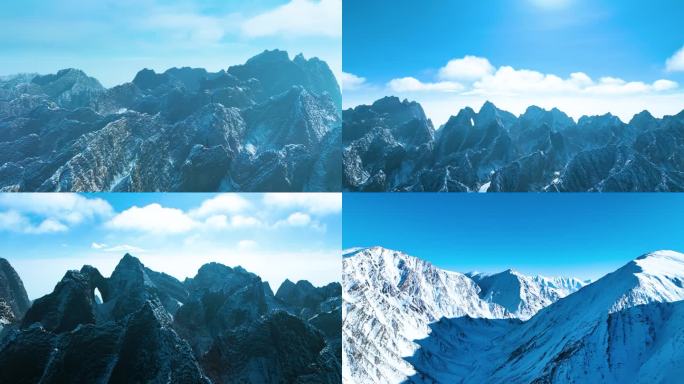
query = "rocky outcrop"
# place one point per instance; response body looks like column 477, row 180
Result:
column 271, row 124
column 392, row 146
column 14, row 301
column 222, row 326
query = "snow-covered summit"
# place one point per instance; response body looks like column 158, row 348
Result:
column 392, row 298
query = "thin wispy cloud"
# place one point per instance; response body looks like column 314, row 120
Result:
column 112, row 40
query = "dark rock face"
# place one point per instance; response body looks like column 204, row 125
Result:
column 222, row 326
column 14, row 301
column 270, row 124
column 392, row 146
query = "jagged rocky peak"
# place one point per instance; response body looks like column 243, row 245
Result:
column 493, row 150
column 14, row 301
column 270, row 124
column 218, row 277
column 66, row 79
column 535, row 116
column 304, row 294
column 276, row 73
column 71, row 303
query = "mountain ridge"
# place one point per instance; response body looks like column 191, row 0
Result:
column 390, row 299
column 223, row 325
column 392, row 146
column 270, row 124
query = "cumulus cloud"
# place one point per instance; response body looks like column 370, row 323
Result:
column 351, row 82
column 411, row 84
column 39, row 213
column 154, row 219
column 473, row 75
column 468, row 68
column 298, row 18
column 314, row 203
column 508, row 80
column 64, row 207
column 298, row 219
column 13, row 221
column 221, row 204
column 676, row 62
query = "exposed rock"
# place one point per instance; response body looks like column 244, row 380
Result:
column 391, row 146
column 272, row 124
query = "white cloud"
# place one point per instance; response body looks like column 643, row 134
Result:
column 122, row 248
column 314, row 203
column 351, row 82
column 14, row 221
column 154, row 219
column 508, row 80
column 227, row 203
column 298, row 18
column 411, row 84
column 247, row 244
column 47, row 226
column 298, row 219
column 69, row 208
column 220, row 222
column 468, row 68
column 676, row 62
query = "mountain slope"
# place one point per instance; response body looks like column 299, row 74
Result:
column 14, row 301
column 392, row 146
column 390, row 299
column 223, row 325
column 623, row 328
column 266, row 125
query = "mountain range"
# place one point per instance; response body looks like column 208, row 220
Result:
column 270, row 124
column 406, row 321
column 392, row 146
column 225, row 325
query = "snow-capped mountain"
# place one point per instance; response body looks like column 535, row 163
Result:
column 391, row 145
column 624, row 328
column 522, row 295
column 390, row 299
column 270, row 124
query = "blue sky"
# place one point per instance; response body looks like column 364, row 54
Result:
column 542, row 41
column 579, row 235
column 113, row 39
column 277, row 236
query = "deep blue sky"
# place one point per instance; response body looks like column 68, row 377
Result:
column 277, row 236
column 610, row 42
column 623, row 38
column 579, row 235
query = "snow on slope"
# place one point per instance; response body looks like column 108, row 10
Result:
column 522, row 295
column 391, row 298
column 626, row 327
